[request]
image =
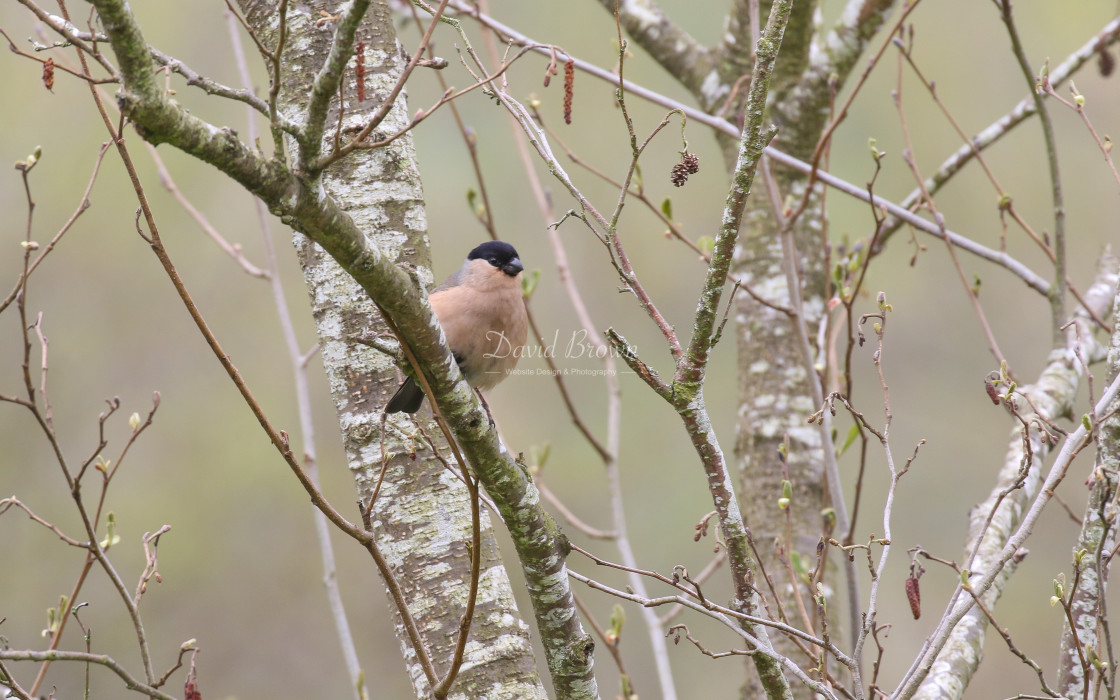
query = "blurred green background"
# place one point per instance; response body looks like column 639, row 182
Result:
column 240, row 567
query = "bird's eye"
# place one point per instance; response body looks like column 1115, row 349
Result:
column 494, row 262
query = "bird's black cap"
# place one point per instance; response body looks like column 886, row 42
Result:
column 499, row 254
column 499, row 250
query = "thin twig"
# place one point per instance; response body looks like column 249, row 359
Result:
column 908, row 157
column 573, row 519
column 1071, row 447
column 728, row 617
column 12, row 501
column 130, row 681
column 612, row 645
column 1057, row 288
column 232, row 250
column 1107, row 36
column 83, row 204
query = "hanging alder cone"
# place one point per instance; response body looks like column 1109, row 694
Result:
column 689, row 165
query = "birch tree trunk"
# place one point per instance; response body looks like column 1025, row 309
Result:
column 422, row 515
column 775, row 376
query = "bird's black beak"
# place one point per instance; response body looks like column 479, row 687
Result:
column 513, row 267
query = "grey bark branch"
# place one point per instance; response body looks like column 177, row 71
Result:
column 803, row 107
column 776, row 382
column 682, row 56
column 952, row 655
column 1098, row 537
column 688, row 382
column 325, row 86
column 736, row 48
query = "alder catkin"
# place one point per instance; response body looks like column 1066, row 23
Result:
column 360, row 69
column 569, row 84
column 914, row 595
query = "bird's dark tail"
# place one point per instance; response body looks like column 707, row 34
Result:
column 407, row 399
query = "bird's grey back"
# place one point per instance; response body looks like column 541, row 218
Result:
column 453, row 281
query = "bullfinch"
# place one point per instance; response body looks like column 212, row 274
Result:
column 483, row 317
